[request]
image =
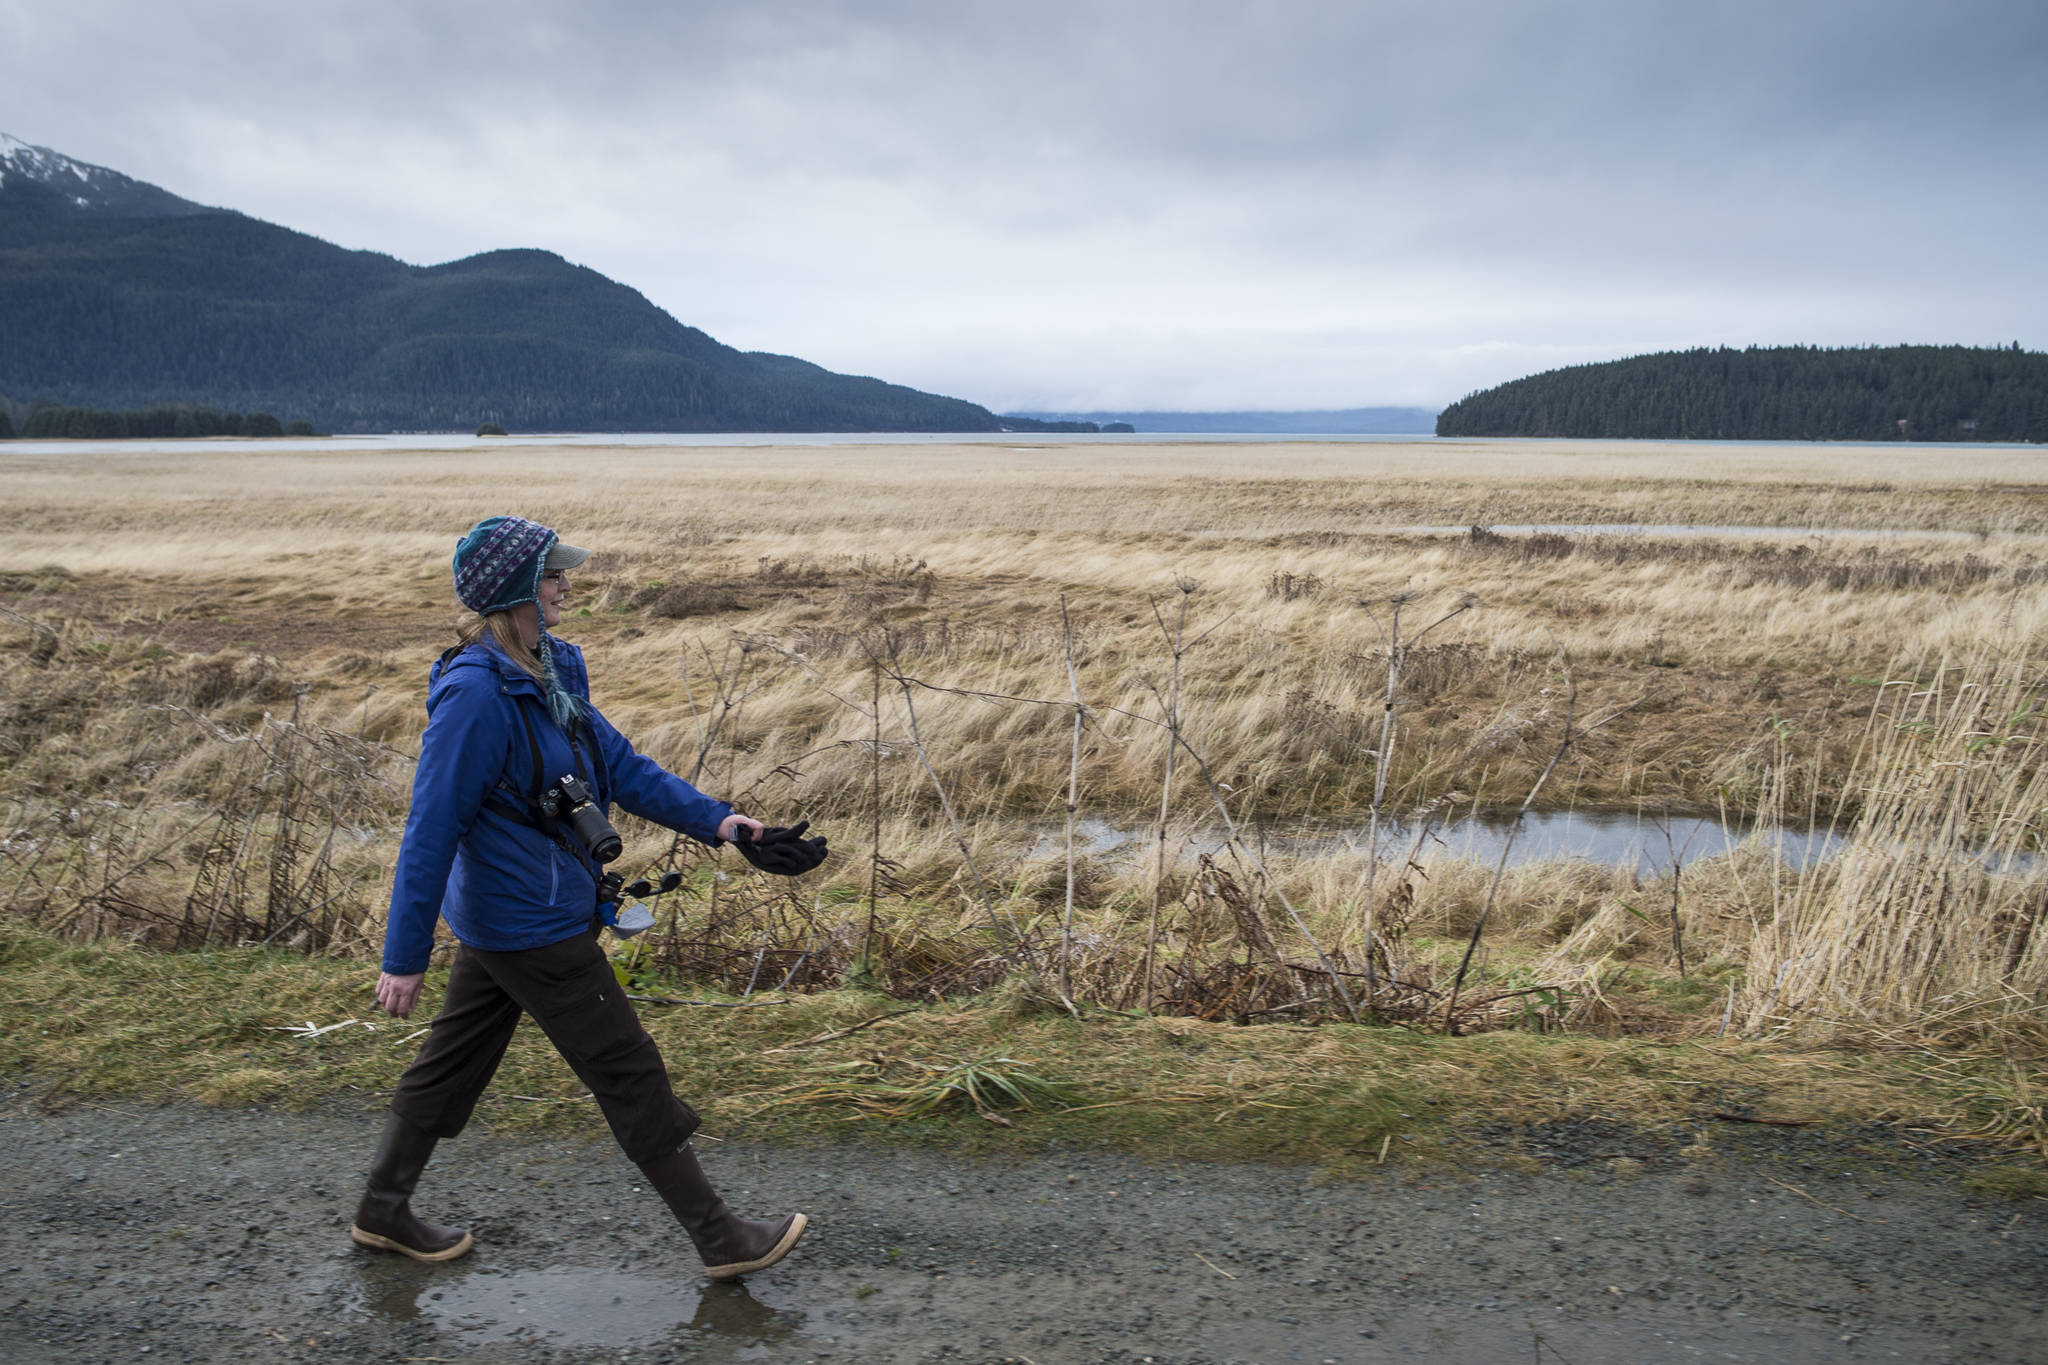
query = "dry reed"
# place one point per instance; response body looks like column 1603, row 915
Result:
column 1928, row 919
column 155, row 793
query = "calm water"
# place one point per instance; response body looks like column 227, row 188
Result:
column 1644, row 842
column 1622, row 839
column 1610, row 838
column 1023, row 440
column 1017, row 440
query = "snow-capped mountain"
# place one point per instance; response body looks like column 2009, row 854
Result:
column 117, row 295
column 87, row 188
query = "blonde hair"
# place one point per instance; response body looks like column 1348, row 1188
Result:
column 505, row 631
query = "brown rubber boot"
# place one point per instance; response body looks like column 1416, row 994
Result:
column 384, row 1219
column 729, row 1245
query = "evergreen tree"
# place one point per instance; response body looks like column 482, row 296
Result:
column 175, row 420
column 1917, row 393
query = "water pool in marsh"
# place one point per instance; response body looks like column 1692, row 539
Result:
column 1649, row 842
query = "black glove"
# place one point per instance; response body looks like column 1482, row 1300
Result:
column 782, row 851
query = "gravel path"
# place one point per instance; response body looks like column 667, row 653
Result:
column 191, row 1234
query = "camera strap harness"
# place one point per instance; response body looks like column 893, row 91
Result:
column 525, row 809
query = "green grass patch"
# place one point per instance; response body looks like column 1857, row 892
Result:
column 992, row 1074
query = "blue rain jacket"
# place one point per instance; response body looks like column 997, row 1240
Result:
column 501, row 885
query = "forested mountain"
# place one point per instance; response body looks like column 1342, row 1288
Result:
column 1782, row 393
column 116, row 294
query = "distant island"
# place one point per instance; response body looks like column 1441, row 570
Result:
column 118, row 296
column 1305, row 422
column 1776, row 393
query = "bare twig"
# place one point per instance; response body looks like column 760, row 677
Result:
column 727, row 690
column 894, row 670
column 1507, row 845
column 867, row 943
column 1774, row 1123
column 1379, row 794
column 842, row 1032
column 1811, row 1200
column 1236, row 838
column 1073, row 807
column 1676, row 855
column 706, row 1004
column 1172, row 704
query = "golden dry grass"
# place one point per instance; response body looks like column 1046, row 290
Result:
column 320, row 560
column 161, row 605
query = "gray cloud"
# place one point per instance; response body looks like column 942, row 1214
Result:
column 1156, row 204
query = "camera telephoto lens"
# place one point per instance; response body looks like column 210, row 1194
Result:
column 595, row 833
column 570, row 801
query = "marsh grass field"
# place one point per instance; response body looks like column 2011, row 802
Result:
column 216, row 665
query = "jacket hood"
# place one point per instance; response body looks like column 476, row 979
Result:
column 512, row 679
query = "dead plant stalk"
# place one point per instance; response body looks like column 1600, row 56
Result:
column 1507, row 845
column 981, row 891
column 1176, row 638
column 1397, row 652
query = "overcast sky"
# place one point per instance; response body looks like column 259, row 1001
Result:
column 1036, row 204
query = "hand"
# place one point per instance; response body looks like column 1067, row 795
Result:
column 731, row 825
column 396, row 995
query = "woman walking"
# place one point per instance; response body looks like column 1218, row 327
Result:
column 511, row 740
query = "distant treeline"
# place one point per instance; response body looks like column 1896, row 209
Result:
column 50, row 422
column 1778, row 393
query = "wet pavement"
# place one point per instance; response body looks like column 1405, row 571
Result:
column 193, row 1234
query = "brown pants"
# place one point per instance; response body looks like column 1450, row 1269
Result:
column 569, row 989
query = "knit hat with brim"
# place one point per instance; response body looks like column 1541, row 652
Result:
column 499, row 563
column 498, row 566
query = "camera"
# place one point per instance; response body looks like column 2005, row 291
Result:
column 569, row 802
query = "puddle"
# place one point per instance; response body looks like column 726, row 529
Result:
column 1649, row 844
column 1644, row 842
column 580, row 1306
column 1610, row 838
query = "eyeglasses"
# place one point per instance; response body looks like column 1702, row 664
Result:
column 556, row 576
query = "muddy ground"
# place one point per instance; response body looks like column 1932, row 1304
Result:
column 193, row 1234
